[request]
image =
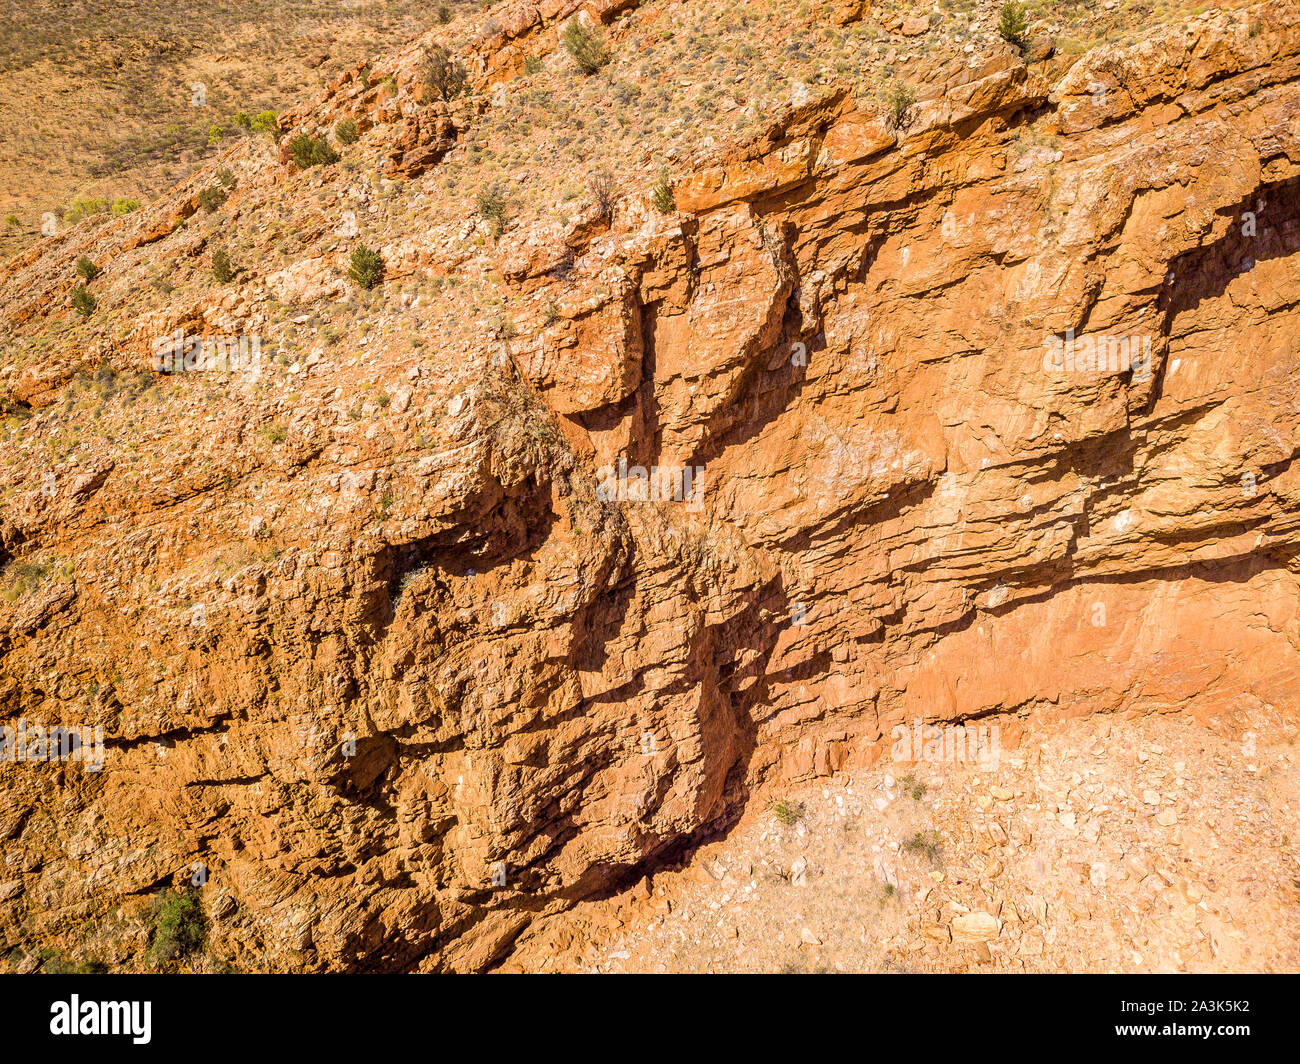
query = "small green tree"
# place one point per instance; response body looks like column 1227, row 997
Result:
column 492, row 208
column 1013, row 25
column 266, row 122
column 587, row 48
column 308, row 151
column 663, row 199
column 604, row 192
column 243, row 120
column 222, row 270
column 86, row 269
column 345, row 131
column 82, row 301
column 444, row 74
column 899, row 100
column 366, row 267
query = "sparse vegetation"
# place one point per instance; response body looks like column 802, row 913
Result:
column 19, row 578
column 788, row 812
column 1013, row 25
column 266, row 122
column 900, row 98
column 85, row 207
column 366, row 267
column 54, row 963
column 492, row 208
column 924, row 843
column 82, row 301
column 663, row 199
column 585, row 46
column 309, row 151
column 345, row 131
column 408, row 579
column 222, row 270
column 179, row 927
column 444, row 74
column 604, row 193
column 212, row 198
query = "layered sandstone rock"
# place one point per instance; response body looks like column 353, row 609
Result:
column 402, row 685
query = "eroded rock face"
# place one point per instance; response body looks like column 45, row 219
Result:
column 392, row 746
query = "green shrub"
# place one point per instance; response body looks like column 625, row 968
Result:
column 266, row 122
column 215, row 133
column 345, row 131
column 243, row 120
column 1013, row 25
column 226, row 177
column 222, row 270
column 22, row 577
column 663, row 199
column 534, row 65
column 603, row 191
column 308, row 151
column 124, row 206
column 927, row 843
column 13, row 220
column 179, row 927
column 587, row 49
column 788, row 812
column 211, row 198
column 367, row 267
column 492, row 208
column 444, row 14
column 85, row 207
column 899, row 100
column 82, row 301
column 87, row 269
column 445, row 75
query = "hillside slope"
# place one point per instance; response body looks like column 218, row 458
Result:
column 377, row 639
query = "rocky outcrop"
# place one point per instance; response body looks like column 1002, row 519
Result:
column 399, row 698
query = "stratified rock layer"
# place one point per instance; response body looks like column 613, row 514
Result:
column 466, row 688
